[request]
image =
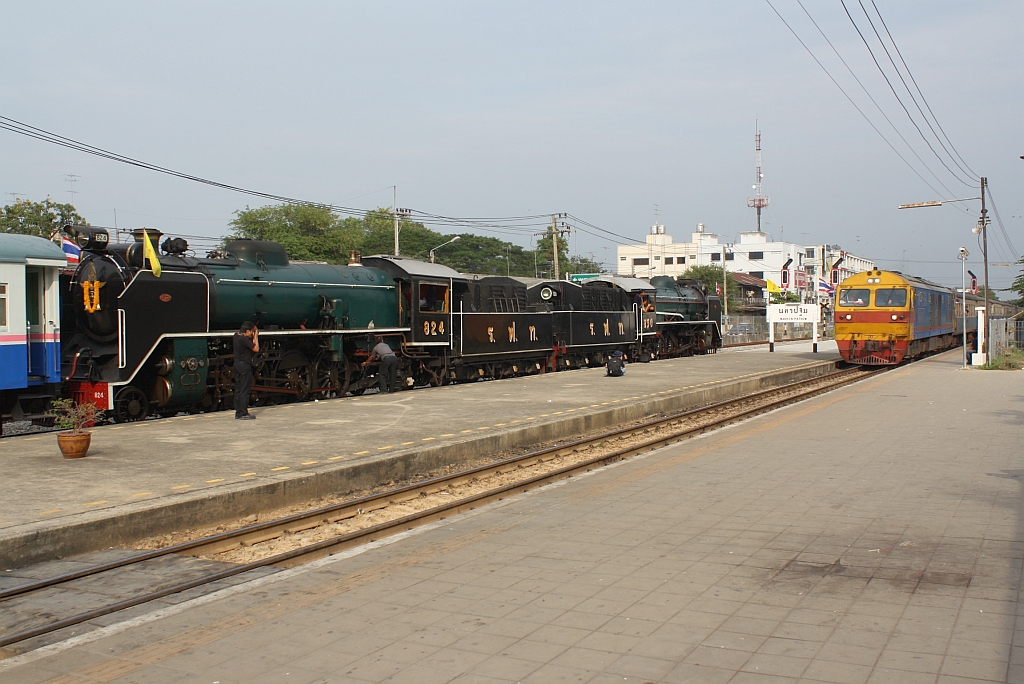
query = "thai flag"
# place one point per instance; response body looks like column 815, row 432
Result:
column 718, row 290
column 826, row 288
column 71, row 251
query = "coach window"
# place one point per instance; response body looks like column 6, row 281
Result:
column 3, row 306
column 891, row 296
column 854, row 297
column 433, row 298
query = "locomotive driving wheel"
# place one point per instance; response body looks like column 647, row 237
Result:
column 130, row 405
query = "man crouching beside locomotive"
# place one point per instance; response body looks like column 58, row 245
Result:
column 388, row 371
column 246, row 343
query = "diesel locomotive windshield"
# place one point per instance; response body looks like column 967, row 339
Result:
column 854, row 297
column 891, row 296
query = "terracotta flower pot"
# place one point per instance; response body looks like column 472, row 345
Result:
column 72, row 445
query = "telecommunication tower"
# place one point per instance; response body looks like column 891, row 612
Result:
column 758, row 202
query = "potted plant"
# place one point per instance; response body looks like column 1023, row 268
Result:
column 74, row 418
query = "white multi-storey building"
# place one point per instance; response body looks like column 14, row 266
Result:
column 786, row 264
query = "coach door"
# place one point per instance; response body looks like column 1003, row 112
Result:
column 431, row 312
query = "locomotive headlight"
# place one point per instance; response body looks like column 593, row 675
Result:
column 894, row 317
column 849, row 317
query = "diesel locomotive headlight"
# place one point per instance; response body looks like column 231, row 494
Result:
column 849, row 317
column 894, row 317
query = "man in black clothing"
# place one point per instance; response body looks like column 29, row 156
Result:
column 386, row 374
column 246, row 343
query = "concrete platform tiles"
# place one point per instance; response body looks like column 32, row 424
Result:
column 163, row 475
column 873, row 534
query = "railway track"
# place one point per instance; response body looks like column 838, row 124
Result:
column 306, row 536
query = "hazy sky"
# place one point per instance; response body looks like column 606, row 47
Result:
column 603, row 110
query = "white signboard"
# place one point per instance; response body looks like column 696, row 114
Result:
column 794, row 313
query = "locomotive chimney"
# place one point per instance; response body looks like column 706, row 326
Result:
column 154, row 235
column 355, row 258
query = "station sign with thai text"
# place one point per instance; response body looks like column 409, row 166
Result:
column 794, row 313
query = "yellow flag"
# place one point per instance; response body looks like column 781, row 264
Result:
column 150, row 254
column 772, row 287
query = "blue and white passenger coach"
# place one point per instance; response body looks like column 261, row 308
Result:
column 29, row 323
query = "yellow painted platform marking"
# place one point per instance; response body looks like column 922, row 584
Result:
column 310, row 462
column 429, row 439
column 516, row 421
column 558, row 413
column 96, row 503
column 31, row 439
column 246, row 474
column 605, row 403
column 335, row 458
column 118, row 427
column 544, row 415
column 279, row 468
column 188, row 418
column 52, row 510
column 499, row 424
column 360, row 453
column 219, row 479
column 383, row 447
column 485, row 427
column 465, row 431
column 184, row 486
column 531, row 418
column 407, row 443
column 582, row 408
column 450, row 434
column 596, row 405
column 141, row 494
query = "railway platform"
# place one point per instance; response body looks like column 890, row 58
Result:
column 873, row 534
column 159, row 476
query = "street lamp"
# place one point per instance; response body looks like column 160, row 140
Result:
column 962, row 256
column 440, row 246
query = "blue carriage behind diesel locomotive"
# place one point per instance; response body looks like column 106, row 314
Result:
column 29, row 324
column 162, row 343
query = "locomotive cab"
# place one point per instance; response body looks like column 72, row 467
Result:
column 426, row 293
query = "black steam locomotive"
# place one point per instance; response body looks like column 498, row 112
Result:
column 136, row 343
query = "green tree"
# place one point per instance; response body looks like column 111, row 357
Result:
column 992, row 294
column 308, row 233
column 711, row 275
column 44, row 219
column 1018, row 284
column 317, row 233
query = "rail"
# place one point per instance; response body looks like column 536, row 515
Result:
column 640, row 437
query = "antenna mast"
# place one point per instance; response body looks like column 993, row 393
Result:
column 758, row 202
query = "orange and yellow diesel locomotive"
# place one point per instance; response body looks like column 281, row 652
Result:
column 884, row 317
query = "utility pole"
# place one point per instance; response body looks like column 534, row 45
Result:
column 554, row 244
column 983, row 222
column 725, row 286
column 397, row 212
column 72, row 179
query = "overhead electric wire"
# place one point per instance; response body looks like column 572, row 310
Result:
column 970, row 175
column 850, row 99
column 510, row 225
column 46, row 136
column 999, row 221
column 877, row 106
column 893, row 88
column 968, row 170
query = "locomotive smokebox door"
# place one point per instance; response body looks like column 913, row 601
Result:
column 431, row 307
